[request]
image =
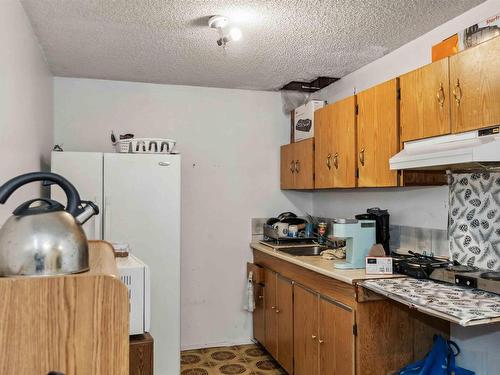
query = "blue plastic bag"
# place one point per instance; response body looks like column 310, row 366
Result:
column 439, row 361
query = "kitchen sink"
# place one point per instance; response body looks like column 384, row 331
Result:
column 303, row 250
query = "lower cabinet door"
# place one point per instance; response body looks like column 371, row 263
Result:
column 305, row 327
column 336, row 338
column 259, row 332
column 284, row 311
column 270, row 316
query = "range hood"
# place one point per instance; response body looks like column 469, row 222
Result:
column 477, row 149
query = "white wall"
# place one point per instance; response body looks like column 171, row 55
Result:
column 229, row 140
column 419, row 207
column 25, row 103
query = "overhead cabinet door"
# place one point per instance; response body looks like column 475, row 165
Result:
column 475, row 86
column 304, row 164
column 425, row 102
column 287, row 167
column 335, row 145
column 378, row 137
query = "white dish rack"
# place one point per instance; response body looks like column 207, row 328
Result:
column 145, row 145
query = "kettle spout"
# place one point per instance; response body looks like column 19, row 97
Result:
column 89, row 210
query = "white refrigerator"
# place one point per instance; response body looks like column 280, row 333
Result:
column 139, row 197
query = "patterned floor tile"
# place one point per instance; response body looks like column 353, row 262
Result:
column 229, row 360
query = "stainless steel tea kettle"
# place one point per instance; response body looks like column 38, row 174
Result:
column 42, row 237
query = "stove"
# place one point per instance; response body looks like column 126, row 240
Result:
column 419, row 266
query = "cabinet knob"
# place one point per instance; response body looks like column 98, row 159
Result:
column 297, row 166
column 292, row 166
column 362, row 157
column 440, row 95
column 260, row 297
column 457, row 92
column 273, row 307
column 313, row 337
column 320, row 341
column 329, row 161
column 336, row 160
column 277, row 311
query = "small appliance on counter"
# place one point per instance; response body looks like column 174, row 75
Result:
column 42, row 237
column 135, row 275
column 381, row 218
column 359, row 237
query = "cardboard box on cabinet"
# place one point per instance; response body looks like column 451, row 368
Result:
column 304, row 119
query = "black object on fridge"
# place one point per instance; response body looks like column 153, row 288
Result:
column 381, row 218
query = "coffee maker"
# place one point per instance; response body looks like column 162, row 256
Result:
column 359, row 237
column 381, row 218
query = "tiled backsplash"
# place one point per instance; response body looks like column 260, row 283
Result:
column 405, row 238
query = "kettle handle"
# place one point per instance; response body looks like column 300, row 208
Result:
column 72, row 195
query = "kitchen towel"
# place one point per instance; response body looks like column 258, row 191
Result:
column 250, row 307
column 474, row 219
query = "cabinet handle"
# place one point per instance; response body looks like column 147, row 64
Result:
column 292, row 166
column 273, row 307
column 320, row 341
column 260, row 297
column 336, row 160
column 457, row 92
column 440, row 95
column 362, row 157
column 313, row 337
column 297, row 166
column 277, row 311
column 329, row 161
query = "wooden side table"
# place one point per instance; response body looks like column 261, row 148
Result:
column 141, row 354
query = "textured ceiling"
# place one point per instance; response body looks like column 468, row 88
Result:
column 168, row 41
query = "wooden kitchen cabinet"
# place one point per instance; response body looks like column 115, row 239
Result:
column 297, row 165
column 475, row 87
column 141, row 354
column 335, row 145
column 259, row 331
column 377, row 137
column 284, row 311
column 339, row 328
column 336, row 338
column 270, row 316
column 278, row 315
column 287, row 167
column 425, row 102
column 324, row 337
column 306, row 350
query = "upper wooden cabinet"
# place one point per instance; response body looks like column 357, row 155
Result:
column 297, row 165
column 335, row 145
column 475, row 86
column 377, row 139
column 425, row 102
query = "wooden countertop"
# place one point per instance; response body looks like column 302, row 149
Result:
column 323, row 266
column 102, row 259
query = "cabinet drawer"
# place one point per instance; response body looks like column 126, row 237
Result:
column 258, row 273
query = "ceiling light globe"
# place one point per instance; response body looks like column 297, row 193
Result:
column 235, row 34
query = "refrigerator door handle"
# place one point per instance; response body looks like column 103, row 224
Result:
column 107, row 217
column 164, row 163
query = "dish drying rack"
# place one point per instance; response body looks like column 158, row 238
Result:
column 145, row 145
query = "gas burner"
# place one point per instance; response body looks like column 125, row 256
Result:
column 461, row 268
column 490, row 276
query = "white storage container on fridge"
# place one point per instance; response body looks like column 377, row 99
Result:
column 135, row 275
column 303, row 121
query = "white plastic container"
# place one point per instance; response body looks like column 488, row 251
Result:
column 145, row 146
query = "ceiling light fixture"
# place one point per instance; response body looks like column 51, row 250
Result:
column 220, row 23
